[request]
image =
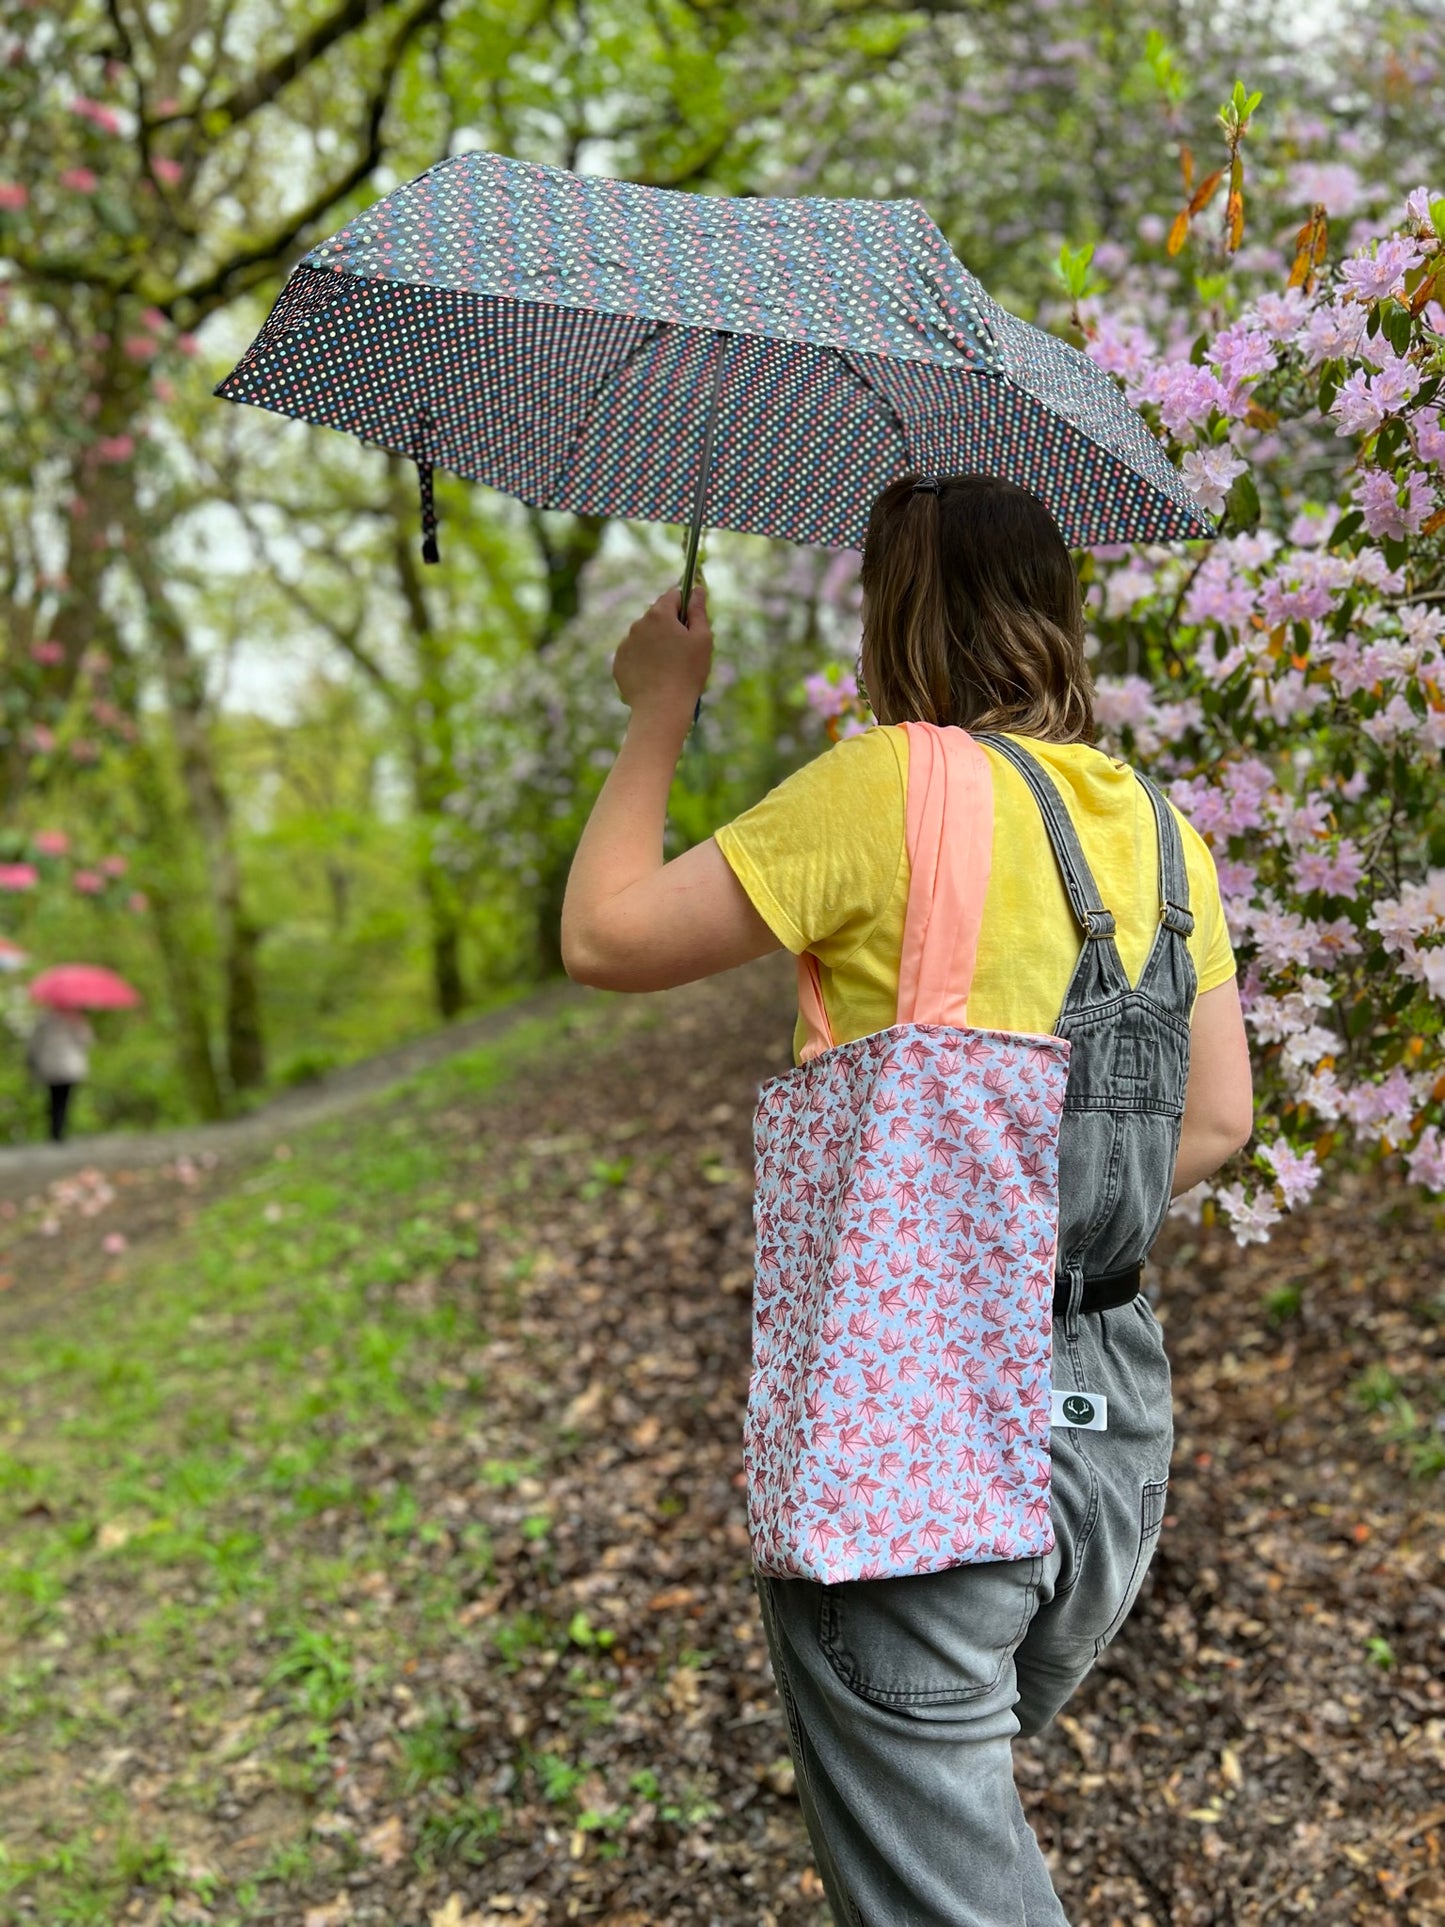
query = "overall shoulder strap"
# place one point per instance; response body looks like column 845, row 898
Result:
column 1174, row 912
column 1093, row 919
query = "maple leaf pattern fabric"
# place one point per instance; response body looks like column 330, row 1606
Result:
column 906, row 1208
column 906, row 1213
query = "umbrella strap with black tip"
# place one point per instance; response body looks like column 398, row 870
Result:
column 423, row 458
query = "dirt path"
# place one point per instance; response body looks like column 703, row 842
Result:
column 537, row 1562
column 26, row 1168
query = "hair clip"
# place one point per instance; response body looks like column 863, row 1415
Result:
column 926, row 485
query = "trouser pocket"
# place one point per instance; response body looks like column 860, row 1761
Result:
column 937, row 1640
column 1152, row 1500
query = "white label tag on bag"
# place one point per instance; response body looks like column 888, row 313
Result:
column 1085, row 1411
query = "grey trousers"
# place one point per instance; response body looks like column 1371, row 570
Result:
column 903, row 1696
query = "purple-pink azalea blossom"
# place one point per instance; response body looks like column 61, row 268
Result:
column 1297, row 1173
column 1356, row 408
column 1208, row 473
column 1337, row 872
column 1380, row 269
column 1429, row 437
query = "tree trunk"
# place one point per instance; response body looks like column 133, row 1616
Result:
column 446, row 941
column 245, row 1033
column 240, row 935
column 178, row 950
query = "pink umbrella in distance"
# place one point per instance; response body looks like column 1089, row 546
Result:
column 83, row 987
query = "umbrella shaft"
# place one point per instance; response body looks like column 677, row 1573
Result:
column 699, row 500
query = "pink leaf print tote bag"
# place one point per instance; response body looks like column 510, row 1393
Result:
column 906, row 1212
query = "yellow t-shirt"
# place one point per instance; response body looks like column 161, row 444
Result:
column 824, row 859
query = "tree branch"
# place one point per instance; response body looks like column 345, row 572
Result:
column 262, row 88
column 252, row 264
column 346, row 636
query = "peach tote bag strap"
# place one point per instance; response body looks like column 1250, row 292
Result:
column 950, row 855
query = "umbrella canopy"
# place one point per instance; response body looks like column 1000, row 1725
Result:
column 573, row 340
column 83, row 987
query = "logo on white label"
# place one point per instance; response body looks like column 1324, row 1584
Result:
column 1085, row 1411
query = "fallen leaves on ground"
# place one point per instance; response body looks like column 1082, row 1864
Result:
column 1263, row 1743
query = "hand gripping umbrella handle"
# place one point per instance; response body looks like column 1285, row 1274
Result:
column 704, row 466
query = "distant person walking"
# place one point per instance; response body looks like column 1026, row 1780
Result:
column 58, row 1055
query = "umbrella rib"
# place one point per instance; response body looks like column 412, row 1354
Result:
column 650, row 335
column 851, row 361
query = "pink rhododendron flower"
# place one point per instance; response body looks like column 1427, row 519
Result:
column 49, row 652
column 1281, row 316
column 140, row 348
column 1429, row 436
column 828, row 698
column 1208, row 473
column 1426, row 1163
column 1239, row 352
column 1396, row 381
column 1332, row 329
column 18, row 876
column 1236, row 879
column 1250, row 1219
column 115, row 448
column 1395, row 722
column 13, row 195
column 1417, row 206
column 1186, row 395
column 1296, row 1172
column 1121, row 347
column 138, row 902
column 114, row 866
column 1380, row 269
column 88, row 882
column 1310, row 528
column 187, row 344
column 1336, row 872
column 167, row 170
column 1335, row 184
column 1355, row 408
column 52, row 842
column 104, row 118
column 80, row 179
column 113, row 1243
column 1376, row 496
column 41, row 739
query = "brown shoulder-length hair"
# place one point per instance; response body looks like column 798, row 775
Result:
column 972, row 613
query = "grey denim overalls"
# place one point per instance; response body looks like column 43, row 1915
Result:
column 903, row 1696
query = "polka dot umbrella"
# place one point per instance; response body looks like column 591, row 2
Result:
column 768, row 364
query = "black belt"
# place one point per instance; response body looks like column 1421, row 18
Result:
column 1101, row 1294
